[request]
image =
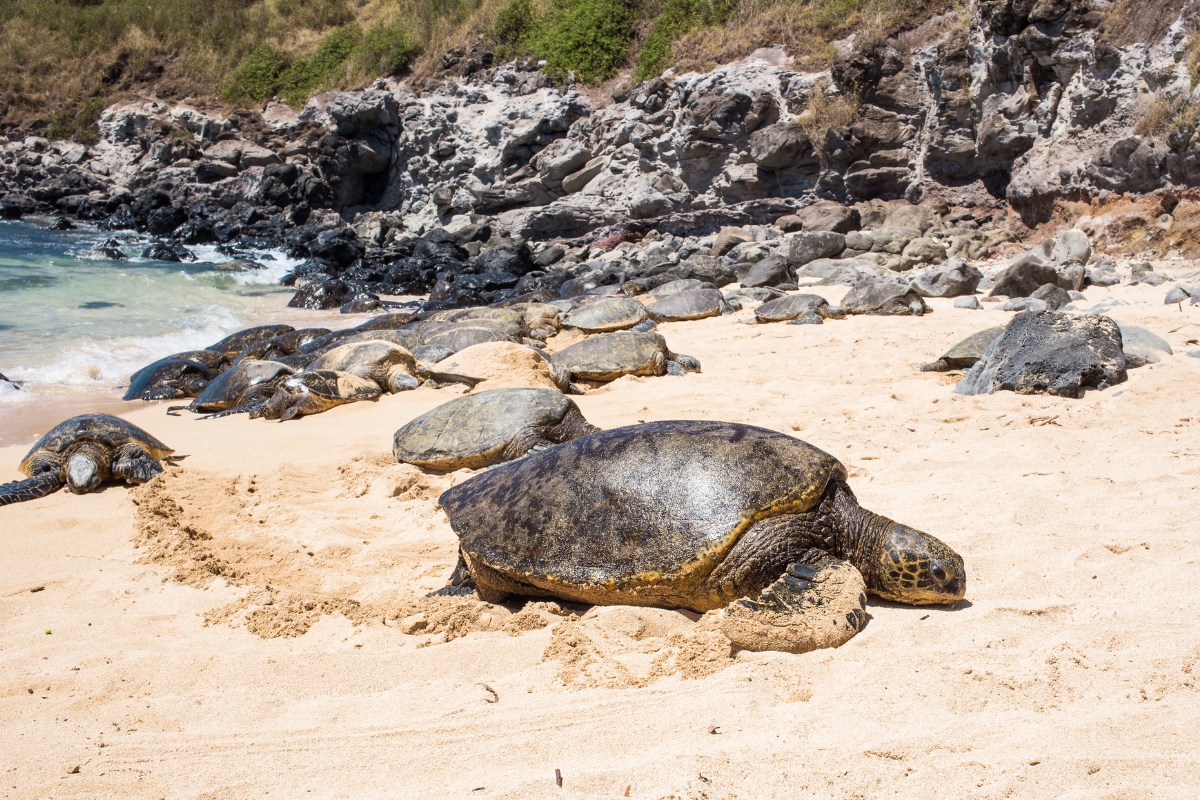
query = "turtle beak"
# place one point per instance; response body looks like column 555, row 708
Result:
column 83, row 474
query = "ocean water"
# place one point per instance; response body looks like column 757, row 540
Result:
column 74, row 325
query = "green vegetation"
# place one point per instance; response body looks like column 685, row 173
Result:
column 590, row 38
column 678, row 18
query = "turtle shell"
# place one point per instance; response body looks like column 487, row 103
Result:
column 884, row 299
column 472, row 431
column 331, row 385
column 368, row 355
column 638, row 515
column 608, row 314
column 789, row 307
column 160, row 373
column 692, row 304
column 461, row 335
column 110, row 431
column 971, row 349
column 387, row 322
column 677, row 286
column 227, row 387
column 235, row 343
column 611, row 355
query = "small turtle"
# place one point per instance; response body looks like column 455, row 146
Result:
column 82, row 453
column 313, row 392
column 611, row 355
column 964, row 354
column 695, row 515
column 691, row 304
column 485, row 428
column 168, row 379
column 606, row 314
column 884, row 299
column 810, row 308
column 389, row 365
column 242, row 388
column 235, row 343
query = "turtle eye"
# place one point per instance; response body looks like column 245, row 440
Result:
column 939, row 573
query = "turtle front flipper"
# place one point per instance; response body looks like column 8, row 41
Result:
column 32, row 488
column 817, row 604
column 134, row 465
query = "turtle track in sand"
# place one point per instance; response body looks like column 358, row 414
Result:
column 294, row 557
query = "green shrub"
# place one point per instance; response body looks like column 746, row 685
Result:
column 258, row 77
column 588, row 37
column 512, row 28
column 678, row 18
column 78, row 123
column 307, row 77
column 385, row 50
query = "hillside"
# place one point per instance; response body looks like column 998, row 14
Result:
column 64, row 61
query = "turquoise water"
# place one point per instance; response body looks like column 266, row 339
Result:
column 74, row 325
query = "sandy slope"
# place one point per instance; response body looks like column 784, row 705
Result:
column 237, row 633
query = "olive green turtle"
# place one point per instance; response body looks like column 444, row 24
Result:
column 389, row 365
column 964, row 354
column 239, row 389
column 884, row 299
column 314, row 392
column 606, row 314
column 610, row 355
column 461, row 335
column 82, row 453
column 235, row 343
column 690, row 304
column 801, row 309
column 695, row 515
column 485, row 428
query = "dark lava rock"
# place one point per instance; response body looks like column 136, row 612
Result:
column 321, row 295
column 340, row 246
column 1024, row 277
column 1053, row 296
column 161, row 251
column 1050, row 352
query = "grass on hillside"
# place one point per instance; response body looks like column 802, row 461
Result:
column 63, row 61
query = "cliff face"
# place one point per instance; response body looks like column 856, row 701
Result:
column 1025, row 103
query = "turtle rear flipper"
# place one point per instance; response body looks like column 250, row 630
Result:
column 813, row 605
column 31, row 488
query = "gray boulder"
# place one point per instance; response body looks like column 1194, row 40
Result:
column 808, row 246
column 1024, row 276
column 1053, row 296
column 1142, row 347
column 830, row 217
column 970, row 302
column 1050, row 352
column 729, row 238
column 771, row 271
column 1071, row 247
column 954, row 278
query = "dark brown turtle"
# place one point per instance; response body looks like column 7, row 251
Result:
column 82, row 453
column 690, row 304
column 235, row 343
column 239, row 389
column 695, row 515
column 964, row 354
column 313, row 392
column 168, row 379
column 389, row 365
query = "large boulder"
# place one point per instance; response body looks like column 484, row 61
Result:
column 1054, row 296
column 808, row 246
column 954, row 278
column 1049, row 352
column 779, row 146
column 771, row 271
column 729, row 238
column 830, row 217
column 1024, row 276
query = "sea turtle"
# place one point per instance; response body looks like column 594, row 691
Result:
column 288, row 344
column 168, row 379
column 388, row 365
column 85, row 451
column 611, row 355
column 242, row 388
column 691, row 304
column 9, row 381
column 461, row 335
column 315, row 391
column 799, row 308
column 606, row 314
column 884, row 299
column 387, row 322
column 235, row 343
column 696, row 515
column 677, row 286
column 964, row 354
column 489, row 427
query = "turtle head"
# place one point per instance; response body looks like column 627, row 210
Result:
column 916, row 568
column 83, row 473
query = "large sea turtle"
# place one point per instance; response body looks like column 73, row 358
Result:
column 388, row 365
column 307, row 393
column 696, row 515
column 964, row 354
column 884, row 299
column 690, row 304
column 611, row 355
column 489, row 427
column 287, row 344
column 608, row 314
column 168, row 379
column 82, row 453
column 242, row 388
column 235, row 343
column 799, row 308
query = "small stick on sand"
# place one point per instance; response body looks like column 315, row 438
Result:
column 558, row 777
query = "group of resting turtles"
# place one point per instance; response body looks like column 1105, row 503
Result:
column 685, row 514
